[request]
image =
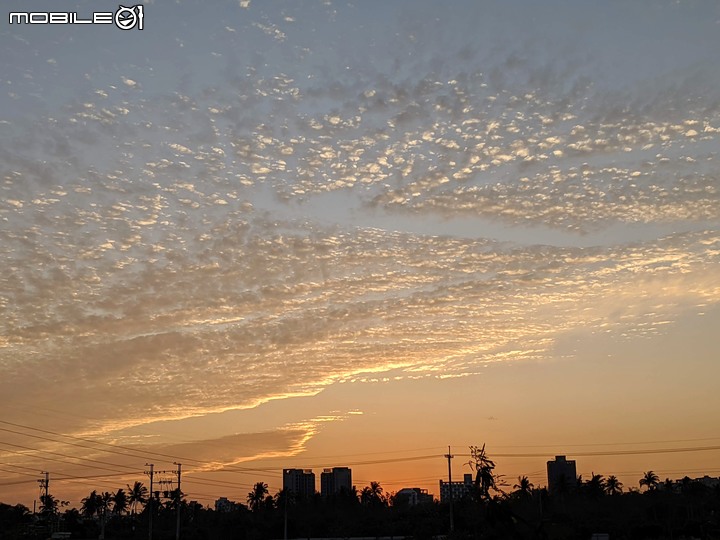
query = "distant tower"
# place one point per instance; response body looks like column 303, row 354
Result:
column 335, row 480
column 561, row 474
column 300, row 482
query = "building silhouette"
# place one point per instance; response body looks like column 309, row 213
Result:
column 224, row 505
column 562, row 474
column 299, row 482
column 336, row 480
column 457, row 489
column 412, row 497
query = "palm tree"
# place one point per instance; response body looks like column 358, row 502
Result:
column 120, row 502
column 91, row 504
column 256, row 497
column 650, row 480
column 613, row 486
column 524, row 486
column 105, row 500
column 138, row 493
column 48, row 504
column 595, row 487
column 372, row 495
column 175, row 498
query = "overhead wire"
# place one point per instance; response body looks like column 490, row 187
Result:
column 196, row 477
column 131, row 452
column 607, row 453
column 35, row 451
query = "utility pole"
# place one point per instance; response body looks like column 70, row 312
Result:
column 179, row 499
column 150, row 500
column 45, row 500
column 45, row 484
column 449, row 456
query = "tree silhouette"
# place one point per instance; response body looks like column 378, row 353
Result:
column 595, row 487
column 91, row 504
column 48, row 504
column 105, row 502
column 524, row 486
column 485, row 479
column 372, row 495
column 138, row 493
column 613, row 486
column 650, row 480
column 175, row 498
column 120, row 502
column 256, row 497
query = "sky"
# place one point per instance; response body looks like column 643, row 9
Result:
column 261, row 234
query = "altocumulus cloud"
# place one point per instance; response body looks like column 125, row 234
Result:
column 154, row 262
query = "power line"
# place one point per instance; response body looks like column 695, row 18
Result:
column 66, row 442
column 46, row 458
column 18, row 472
column 18, row 482
column 142, row 454
column 610, row 453
column 608, row 444
column 21, row 467
column 35, row 450
column 375, row 461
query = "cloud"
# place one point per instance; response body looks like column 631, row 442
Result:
column 177, row 243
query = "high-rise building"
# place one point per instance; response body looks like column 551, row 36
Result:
column 457, row 489
column 299, row 482
column 335, row 480
column 561, row 473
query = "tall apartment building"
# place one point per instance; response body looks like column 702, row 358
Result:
column 299, row 482
column 561, row 472
column 457, row 489
column 335, row 480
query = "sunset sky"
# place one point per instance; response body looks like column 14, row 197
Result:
column 266, row 234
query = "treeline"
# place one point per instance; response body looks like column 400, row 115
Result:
column 490, row 510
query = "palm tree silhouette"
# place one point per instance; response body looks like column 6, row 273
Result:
column 256, row 497
column 613, row 486
column 48, row 504
column 91, row 504
column 650, row 480
column 120, row 502
column 595, row 487
column 524, row 486
column 372, row 495
column 138, row 493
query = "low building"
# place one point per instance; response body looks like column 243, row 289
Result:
column 412, row 497
column 224, row 505
column 457, row 490
column 708, row 481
